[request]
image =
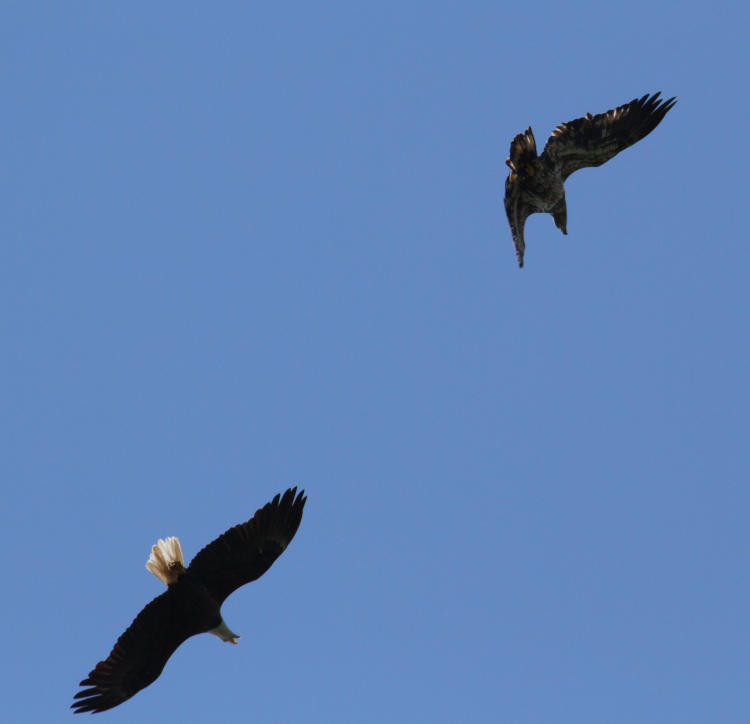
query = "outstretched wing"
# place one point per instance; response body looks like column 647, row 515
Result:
column 517, row 210
column 137, row 658
column 522, row 162
column 592, row 140
column 246, row 551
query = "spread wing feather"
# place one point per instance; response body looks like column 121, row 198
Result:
column 517, row 211
column 137, row 658
column 521, row 162
column 592, row 140
column 246, row 551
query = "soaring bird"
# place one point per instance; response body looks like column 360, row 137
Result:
column 535, row 183
column 192, row 602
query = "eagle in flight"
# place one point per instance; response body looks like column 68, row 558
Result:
column 192, row 602
column 535, row 183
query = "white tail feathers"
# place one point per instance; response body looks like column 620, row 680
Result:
column 166, row 561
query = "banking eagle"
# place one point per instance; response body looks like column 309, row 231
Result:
column 192, row 602
column 535, row 183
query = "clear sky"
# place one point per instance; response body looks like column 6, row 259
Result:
column 247, row 246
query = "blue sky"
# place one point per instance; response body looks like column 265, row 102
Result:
column 250, row 247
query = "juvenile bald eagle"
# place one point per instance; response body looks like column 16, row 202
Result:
column 192, row 602
column 535, row 183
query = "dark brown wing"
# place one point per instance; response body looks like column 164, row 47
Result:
column 138, row 657
column 246, row 551
column 518, row 207
column 592, row 140
column 517, row 211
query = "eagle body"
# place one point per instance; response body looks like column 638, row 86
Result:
column 192, row 602
column 535, row 184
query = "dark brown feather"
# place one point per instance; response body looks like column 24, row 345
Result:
column 138, row 657
column 522, row 161
column 246, row 551
column 592, row 140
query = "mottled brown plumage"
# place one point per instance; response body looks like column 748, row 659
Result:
column 192, row 602
column 535, row 183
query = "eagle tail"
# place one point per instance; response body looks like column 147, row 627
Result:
column 166, row 561
column 522, row 150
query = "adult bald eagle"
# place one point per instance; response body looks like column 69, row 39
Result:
column 192, row 601
column 535, row 183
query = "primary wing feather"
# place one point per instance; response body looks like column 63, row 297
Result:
column 246, row 551
column 137, row 658
column 592, row 140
